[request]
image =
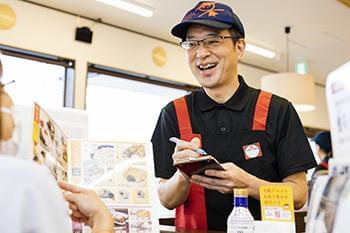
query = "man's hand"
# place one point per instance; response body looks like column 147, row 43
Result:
column 185, row 150
column 174, row 191
column 223, row 181
column 236, row 177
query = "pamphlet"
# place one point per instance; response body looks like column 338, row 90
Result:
column 338, row 103
column 50, row 144
column 276, row 203
column 121, row 173
column 341, row 220
column 324, row 207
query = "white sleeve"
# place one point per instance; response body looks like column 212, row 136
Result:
column 34, row 202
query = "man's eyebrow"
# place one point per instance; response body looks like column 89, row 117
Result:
column 209, row 34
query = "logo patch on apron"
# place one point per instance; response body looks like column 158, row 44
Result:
column 252, row 151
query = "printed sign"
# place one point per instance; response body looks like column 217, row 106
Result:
column 276, row 203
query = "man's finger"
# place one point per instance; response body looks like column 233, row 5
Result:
column 181, row 145
column 196, row 141
column 185, row 154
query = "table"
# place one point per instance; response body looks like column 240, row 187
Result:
column 167, row 225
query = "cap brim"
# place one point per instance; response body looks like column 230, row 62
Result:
column 180, row 30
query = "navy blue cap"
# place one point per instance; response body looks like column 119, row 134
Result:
column 323, row 139
column 211, row 14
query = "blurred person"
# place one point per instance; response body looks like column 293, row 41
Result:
column 323, row 151
column 256, row 136
column 30, row 200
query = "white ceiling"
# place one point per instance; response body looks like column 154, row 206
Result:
column 320, row 31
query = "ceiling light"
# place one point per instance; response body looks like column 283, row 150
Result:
column 128, row 6
column 260, row 51
column 297, row 88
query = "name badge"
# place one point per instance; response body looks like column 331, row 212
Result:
column 252, row 151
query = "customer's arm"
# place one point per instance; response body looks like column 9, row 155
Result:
column 87, row 207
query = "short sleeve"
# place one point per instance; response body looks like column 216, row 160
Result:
column 30, row 199
column 293, row 150
column 162, row 148
column 43, row 208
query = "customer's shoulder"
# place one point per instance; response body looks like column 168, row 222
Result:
column 23, row 168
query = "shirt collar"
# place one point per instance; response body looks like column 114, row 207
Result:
column 237, row 102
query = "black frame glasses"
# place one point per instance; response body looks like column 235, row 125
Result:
column 4, row 84
column 209, row 42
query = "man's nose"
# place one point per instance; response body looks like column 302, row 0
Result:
column 202, row 51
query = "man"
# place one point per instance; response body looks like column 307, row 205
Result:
column 257, row 137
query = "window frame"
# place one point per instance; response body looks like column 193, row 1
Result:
column 68, row 64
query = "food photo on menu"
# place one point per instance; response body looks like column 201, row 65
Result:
column 120, row 218
column 119, row 172
column 49, row 144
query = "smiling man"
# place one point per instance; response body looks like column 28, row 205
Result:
column 256, row 136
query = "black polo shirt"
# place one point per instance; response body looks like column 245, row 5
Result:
column 225, row 129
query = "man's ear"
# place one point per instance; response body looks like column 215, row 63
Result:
column 240, row 48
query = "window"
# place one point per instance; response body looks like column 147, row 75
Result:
column 125, row 109
column 45, row 79
column 38, row 78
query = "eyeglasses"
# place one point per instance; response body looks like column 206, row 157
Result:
column 4, row 84
column 210, row 42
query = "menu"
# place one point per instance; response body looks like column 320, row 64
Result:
column 338, row 103
column 50, row 144
column 324, row 203
column 121, row 173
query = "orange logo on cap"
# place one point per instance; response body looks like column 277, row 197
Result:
column 208, row 8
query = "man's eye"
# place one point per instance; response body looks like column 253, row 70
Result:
column 213, row 41
column 192, row 44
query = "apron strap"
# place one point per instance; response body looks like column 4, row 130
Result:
column 191, row 215
column 261, row 110
column 183, row 117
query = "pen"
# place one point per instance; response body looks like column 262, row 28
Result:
column 199, row 150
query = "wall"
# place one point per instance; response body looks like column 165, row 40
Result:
column 48, row 31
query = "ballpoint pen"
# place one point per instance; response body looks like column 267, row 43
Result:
column 199, row 150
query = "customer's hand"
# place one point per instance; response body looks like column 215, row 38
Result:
column 87, row 207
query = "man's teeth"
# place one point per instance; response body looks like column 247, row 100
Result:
column 207, row 66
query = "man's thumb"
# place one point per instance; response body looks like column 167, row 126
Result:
column 196, row 141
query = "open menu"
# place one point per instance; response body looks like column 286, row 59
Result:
column 121, row 173
column 324, row 203
column 50, row 144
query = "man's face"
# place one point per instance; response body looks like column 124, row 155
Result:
column 6, row 121
column 213, row 67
